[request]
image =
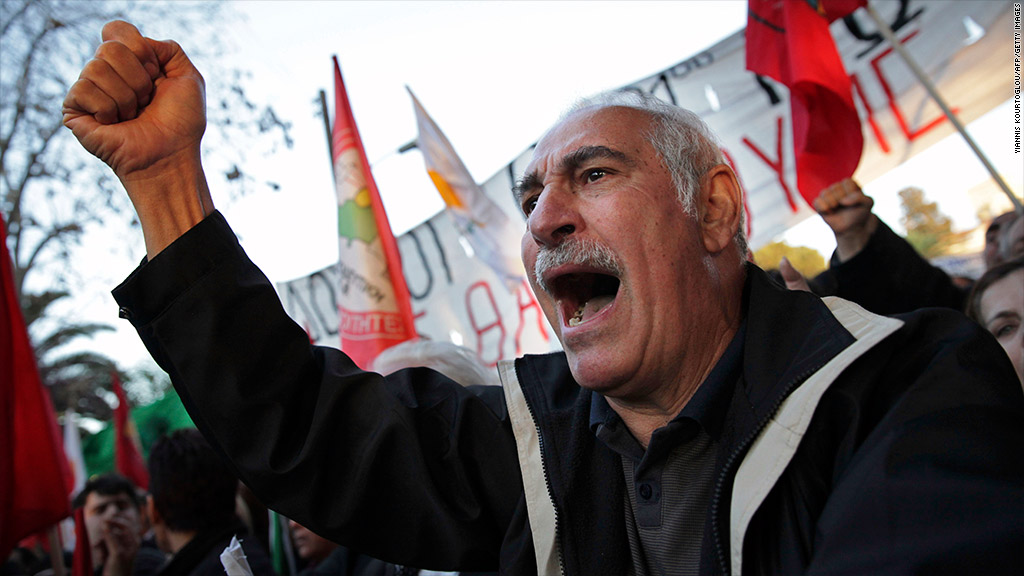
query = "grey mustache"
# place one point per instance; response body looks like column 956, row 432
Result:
column 575, row 251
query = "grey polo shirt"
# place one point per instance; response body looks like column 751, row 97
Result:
column 669, row 485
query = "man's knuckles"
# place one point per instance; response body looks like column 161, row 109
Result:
column 86, row 99
column 127, row 63
column 99, row 76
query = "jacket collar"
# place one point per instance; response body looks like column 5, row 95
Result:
column 790, row 334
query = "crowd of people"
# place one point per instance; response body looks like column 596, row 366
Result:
column 179, row 526
column 700, row 419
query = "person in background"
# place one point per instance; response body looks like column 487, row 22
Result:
column 994, row 253
column 997, row 303
column 1011, row 240
column 325, row 558
column 115, row 526
column 872, row 265
column 192, row 508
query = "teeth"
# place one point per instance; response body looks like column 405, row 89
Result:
column 577, row 318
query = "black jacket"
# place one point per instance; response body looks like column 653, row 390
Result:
column 889, row 277
column 854, row 444
column 201, row 556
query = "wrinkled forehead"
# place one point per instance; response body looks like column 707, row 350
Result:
column 616, row 127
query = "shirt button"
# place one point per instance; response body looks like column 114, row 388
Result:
column 645, row 491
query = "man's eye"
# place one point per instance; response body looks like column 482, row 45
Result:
column 594, row 174
column 529, row 204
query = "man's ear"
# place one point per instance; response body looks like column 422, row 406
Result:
column 720, row 207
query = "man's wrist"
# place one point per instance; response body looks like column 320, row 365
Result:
column 169, row 201
column 851, row 242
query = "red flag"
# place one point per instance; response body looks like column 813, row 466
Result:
column 374, row 304
column 33, row 470
column 81, row 562
column 127, row 448
column 789, row 40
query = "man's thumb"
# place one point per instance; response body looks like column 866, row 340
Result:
column 793, row 278
column 167, row 54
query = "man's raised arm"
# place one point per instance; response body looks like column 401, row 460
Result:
column 140, row 106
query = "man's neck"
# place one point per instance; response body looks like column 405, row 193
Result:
column 645, row 413
column 642, row 417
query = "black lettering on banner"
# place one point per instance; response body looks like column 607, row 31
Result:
column 769, row 89
column 415, row 294
column 295, row 299
column 663, row 81
column 511, row 175
column 903, row 17
column 423, row 293
column 676, row 72
column 683, row 69
column 440, row 252
column 351, row 279
column 513, row 168
column 331, row 328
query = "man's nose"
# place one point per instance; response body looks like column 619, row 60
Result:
column 554, row 217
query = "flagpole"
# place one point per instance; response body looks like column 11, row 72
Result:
column 327, row 127
column 889, row 35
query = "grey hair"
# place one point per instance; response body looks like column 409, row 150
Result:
column 456, row 362
column 687, row 146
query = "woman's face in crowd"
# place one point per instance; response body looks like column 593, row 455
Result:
column 1002, row 309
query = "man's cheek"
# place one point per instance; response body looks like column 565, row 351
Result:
column 94, row 528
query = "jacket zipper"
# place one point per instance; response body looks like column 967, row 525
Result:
column 547, row 482
column 725, row 565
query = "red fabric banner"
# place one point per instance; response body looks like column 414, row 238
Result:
column 127, row 448
column 375, row 309
column 33, row 470
column 790, row 41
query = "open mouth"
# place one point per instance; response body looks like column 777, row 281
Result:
column 582, row 295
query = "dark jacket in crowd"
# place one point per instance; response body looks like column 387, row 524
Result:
column 888, row 276
column 853, row 443
column 201, row 556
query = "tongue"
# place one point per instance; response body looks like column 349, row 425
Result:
column 594, row 305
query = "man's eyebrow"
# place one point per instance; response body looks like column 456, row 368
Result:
column 568, row 164
column 526, row 183
column 571, row 161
